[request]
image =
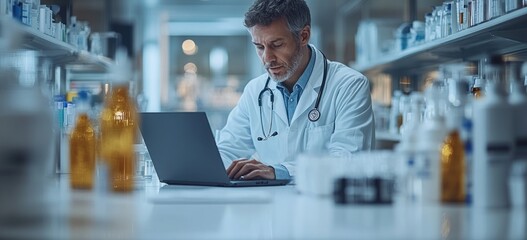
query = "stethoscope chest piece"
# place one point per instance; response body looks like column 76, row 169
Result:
column 314, row 115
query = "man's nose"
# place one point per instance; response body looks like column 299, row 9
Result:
column 268, row 56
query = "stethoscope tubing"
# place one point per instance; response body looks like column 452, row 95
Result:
column 314, row 114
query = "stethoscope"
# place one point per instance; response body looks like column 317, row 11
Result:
column 313, row 115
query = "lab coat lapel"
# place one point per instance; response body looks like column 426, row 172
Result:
column 309, row 96
column 279, row 106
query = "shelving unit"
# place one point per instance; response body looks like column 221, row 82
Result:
column 504, row 35
column 59, row 52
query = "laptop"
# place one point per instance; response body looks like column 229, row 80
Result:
column 184, row 152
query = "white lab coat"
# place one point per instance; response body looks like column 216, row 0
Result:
column 346, row 124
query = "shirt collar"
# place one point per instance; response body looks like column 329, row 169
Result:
column 304, row 78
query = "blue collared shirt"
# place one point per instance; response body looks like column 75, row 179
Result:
column 291, row 98
column 291, row 101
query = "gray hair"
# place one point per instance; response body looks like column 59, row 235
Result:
column 264, row 12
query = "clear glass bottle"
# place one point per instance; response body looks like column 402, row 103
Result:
column 404, row 111
column 477, row 89
column 511, row 5
column 119, row 128
column 480, row 12
column 446, row 20
column 429, row 20
column 495, row 8
column 82, row 147
column 438, row 12
column 462, row 14
column 73, row 32
column 395, row 113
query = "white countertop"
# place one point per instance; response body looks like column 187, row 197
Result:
column 158, row 211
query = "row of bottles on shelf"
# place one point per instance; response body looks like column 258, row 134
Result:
column 466, row 145
column 457, row 15
column 377, row 38
column 104, row 148
column 43, row 18
column 451, row 17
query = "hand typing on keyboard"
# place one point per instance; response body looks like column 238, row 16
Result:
column 245, row 169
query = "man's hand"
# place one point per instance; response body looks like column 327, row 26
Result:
column 250, row 169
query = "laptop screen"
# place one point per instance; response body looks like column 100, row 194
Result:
column 182, row 147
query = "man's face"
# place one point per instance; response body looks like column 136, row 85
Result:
column 278, row 49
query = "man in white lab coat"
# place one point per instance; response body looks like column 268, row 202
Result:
column 293, row 108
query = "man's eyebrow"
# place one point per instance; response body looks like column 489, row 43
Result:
column 273, row 41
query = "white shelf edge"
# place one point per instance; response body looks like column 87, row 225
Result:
column 49, row 40
column 480, row 28
column 53, row 44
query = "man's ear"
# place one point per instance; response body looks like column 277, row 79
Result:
column 305, row 35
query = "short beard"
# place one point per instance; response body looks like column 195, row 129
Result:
column 291, row 70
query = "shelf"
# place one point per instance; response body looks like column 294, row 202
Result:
column 504, row 35
column 59, row 52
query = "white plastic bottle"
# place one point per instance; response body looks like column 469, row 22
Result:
column 431, row 134
column 409, row 185
column 73, row 32
column 518, row 100
column 493, row 143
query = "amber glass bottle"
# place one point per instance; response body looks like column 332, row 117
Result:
column 453, row 169
column 453, row 149
column 82, row 148
column 119, row 127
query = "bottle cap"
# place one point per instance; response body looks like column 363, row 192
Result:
column 121, row 71
column 82, row 100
